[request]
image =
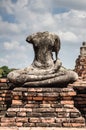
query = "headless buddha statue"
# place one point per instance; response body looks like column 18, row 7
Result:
column 45, row 70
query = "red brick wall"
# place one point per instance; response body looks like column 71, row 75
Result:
column 80, row 67
column 5, row 96
column 80, row 98
column 42, row 106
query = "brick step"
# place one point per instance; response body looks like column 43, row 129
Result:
column 41, row 121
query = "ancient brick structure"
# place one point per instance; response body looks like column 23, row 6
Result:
column 80, row 98
column 80, row 67
column 5, row 96
column 54, row 107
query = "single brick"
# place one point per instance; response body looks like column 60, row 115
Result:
column 42, row 125
column 77, row 120
column 21, row 119
column 31, row 90
column 45, row 105
column 54, row 94
column 56, row 105
column 75, row 114
column 19, row 124
column 11, row 113
column 66, row 98
column 8, row 124
column 67, row 102
column 38, row 98
column 21, row 114
column 48, row 120
column 29, row 98
column 68, row 106
column 50, row 98
column 25, row 109
column 61, row 120
column 7, row 120
column 2, row 80
column 16, row 97
column 60, row 109
column 67, row 89
column 73, row 124
column 20, row 89
column 28, row 125
column 72, row 93
column 13, row 109
column 48, row 114
column 34, row 120
column 34, row 114
column 63, row 114
column 16, row 102
column 1, row 98
column 43, row 110
column 16, row 93
column 29, row 105
column 55, row 124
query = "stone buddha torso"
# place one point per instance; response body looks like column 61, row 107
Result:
column 44, row 44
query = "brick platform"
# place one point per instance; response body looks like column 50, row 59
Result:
column 39, row 128
column 42, row 107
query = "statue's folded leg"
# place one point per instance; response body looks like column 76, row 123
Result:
column 69, row 77
column 42, row 80
column 15, row 75
column 18, row 77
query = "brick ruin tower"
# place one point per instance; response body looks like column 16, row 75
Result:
column 80, row 66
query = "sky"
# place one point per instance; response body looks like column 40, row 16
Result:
column 20, row 18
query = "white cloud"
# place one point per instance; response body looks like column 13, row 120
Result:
column 3, row 61
column 16, row 55
column 71, row 4
column 7, row 5
column 31, row 19
column 8, row 29
column 68, row 36
column 31, row 16
column 15, row 60
column 14, row 45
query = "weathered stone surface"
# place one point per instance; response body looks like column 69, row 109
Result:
column 45, row 70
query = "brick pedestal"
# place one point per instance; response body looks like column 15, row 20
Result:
column 43, row 107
